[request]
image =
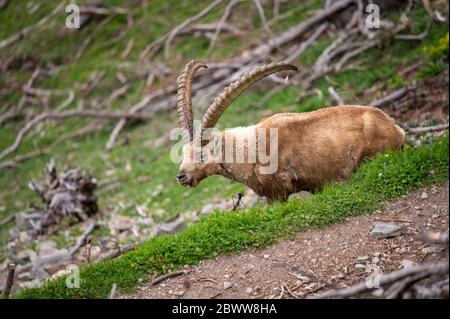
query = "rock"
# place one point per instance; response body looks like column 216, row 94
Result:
column 249, row 290
column 25, row 276
column 46, row 248
column 120, row 223
column 407, row 263
column 431, row 250
column 375, row 260
column 250, row 199
column 424, row 195
column 266, row 256
column 59, row 273
column 434, row 216
column 24, row 237
column 95, row 252
column 227, row 285
column 25, row 220
column 172, row 227
column 23, row 255
column 362, row 259
column 178, row 293
column 208, row 208
column 301, row 195
column 386, row 230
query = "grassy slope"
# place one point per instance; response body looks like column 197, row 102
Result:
column 155, row 164
column 388, row 176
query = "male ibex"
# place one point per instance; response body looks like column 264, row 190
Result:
column 310, row 150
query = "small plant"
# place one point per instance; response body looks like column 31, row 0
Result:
column 437, row 57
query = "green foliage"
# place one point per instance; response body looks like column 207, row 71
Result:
column 436, row 57
column 387, row 176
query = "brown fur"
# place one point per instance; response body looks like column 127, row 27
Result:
column 313, row 148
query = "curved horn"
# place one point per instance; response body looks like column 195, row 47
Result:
column 232, row 91
column 184, row 104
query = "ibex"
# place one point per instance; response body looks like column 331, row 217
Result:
column 311, row 148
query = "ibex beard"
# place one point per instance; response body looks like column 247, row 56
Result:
column 282, row 154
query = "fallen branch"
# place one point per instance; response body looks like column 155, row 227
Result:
column 335, row 96
column 113, row 291
column 223, row 19
column 384, row 280
column 396, row 95
column 305, row 44
column 25, row 31
column 24, row 157
column 414, row 37
column 9, row 280
column 262, row 16
column 119, row 251
column 134, row 109
column 174, row 32
column 116, row 115
column 9, row 115
column 102, row 11
column 425, row 129
column 167, row 276
column 82, row 240
column 7, row 220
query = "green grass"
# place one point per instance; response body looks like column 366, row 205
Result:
column 387, row 176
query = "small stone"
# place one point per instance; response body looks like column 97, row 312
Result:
column 362, row 259
column 249, row 290
column 378, row 292
column 375, row 260
column 22, row 255
column 24, row 237
column 119, row 223
column 434, row 216
column 424, row 195
column 310, row 286
column 266, row 256
column 208, row 208
column 385, row 230
column 172, row 227
column 178, row 293
column 301, row 195
column 431, row 250
column 407, row 263
column 360, row 266
column 227, row 285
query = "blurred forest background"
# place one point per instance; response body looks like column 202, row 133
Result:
column 101, row 98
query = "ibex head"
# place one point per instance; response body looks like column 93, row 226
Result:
column 198, row 160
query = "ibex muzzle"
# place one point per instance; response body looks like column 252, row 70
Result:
column 311, row 149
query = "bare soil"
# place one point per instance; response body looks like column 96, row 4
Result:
column 317, row 260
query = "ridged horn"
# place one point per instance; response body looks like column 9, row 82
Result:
column 184, row 104
column 232, row 91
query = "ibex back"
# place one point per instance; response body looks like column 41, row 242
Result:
column 308, row 149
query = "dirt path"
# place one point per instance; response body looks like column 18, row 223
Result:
column 316, row 260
